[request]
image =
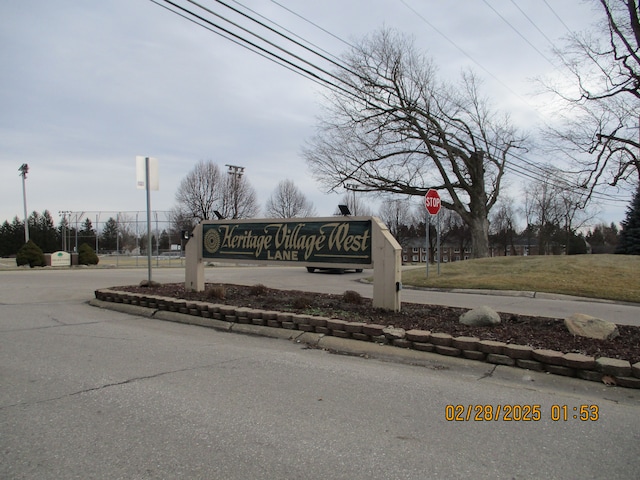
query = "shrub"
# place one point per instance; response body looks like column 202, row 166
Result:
column 301, row 303
column 86, row 255
column 30, row 254
column 258, row 289
column 216, row 292
column 351, row 296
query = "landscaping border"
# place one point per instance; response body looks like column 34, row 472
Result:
column 229, row 317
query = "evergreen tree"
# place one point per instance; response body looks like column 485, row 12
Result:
column 630, row 234
column 165, row 241
column 30, row 254
column 86, row 255
column 109, row 237
column 11, row 237
column 49, row 239
column 87, row 234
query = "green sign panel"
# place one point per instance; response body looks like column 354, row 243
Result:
column 337, row 241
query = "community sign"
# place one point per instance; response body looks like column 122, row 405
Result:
column 312, row 242
column 331, row 242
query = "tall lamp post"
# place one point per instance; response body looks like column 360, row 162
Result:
column 64, row 228
column 353, row 187
column 24, row 169
column 237, row 172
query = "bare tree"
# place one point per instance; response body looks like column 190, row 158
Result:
column 180, row 220
column 599, row 131
column 503, row 225
column 206, row 190
column 287, row 201
column 126, row 227
column 397, row 215
column 199, row 193
column 553, row 212
column 356, row 204
column 238, row 198
column 453, row 230
column 395, row 128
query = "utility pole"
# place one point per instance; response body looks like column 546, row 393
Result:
column 237, row 173
column 24, row 169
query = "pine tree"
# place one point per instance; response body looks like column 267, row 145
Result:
column 86, row 255
column 630, row 234
column 30, row 254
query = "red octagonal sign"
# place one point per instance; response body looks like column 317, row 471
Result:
column 432, row 201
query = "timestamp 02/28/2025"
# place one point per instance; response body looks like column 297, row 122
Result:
column 520, row 413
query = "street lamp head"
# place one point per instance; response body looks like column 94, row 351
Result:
column 24, row 169
column 344, row 210
column 235, row 170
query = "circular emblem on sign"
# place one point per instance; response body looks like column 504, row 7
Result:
column 212, row 240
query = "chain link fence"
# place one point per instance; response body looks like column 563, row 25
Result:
column 120, row 237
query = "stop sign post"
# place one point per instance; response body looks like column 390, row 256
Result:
column 432, row 203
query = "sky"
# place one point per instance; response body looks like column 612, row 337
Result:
column 86, row 86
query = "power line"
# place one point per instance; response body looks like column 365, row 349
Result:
column 295, row 42
column 557, row 16
column 252, row 46
column 518, row 32
column 314, row 24
column 530, row 171
column 535, row 25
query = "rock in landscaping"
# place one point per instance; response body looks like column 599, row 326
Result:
column 591, row 327
column 393, row 333
column 613, row 366
column 480, row 317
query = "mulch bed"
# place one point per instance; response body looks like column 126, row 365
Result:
column 536, row 332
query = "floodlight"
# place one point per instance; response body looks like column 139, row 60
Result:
column 344, row 210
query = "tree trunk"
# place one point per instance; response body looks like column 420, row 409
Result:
column 478, row 217
column 480, row 237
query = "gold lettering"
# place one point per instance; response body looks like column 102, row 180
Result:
column 341, row 240
column 228, row 235
column 286, row 241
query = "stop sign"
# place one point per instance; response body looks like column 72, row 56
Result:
column 432, row 201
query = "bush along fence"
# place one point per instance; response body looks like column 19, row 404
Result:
column 231, row 318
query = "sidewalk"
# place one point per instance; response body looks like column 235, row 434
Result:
column 527, row 303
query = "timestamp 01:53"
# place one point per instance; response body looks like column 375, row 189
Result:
column 520, row 413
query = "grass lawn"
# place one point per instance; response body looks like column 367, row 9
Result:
column 612, row 277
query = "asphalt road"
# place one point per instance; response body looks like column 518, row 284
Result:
column 74, row 284
column 92, row 393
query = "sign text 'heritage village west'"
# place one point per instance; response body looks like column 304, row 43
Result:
column 325, row 242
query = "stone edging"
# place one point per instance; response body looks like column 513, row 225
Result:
column 222, row 316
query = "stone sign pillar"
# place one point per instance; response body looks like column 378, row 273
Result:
column 194, row 266
column 387, row 268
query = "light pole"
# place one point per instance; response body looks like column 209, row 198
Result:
column 237, row 173
column 353, row 187
column 24, row 169
column 64, row 227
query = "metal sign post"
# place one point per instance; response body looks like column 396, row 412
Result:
column 432, row 204
column 428, row 225
column 438, row 240
column 147, row 178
